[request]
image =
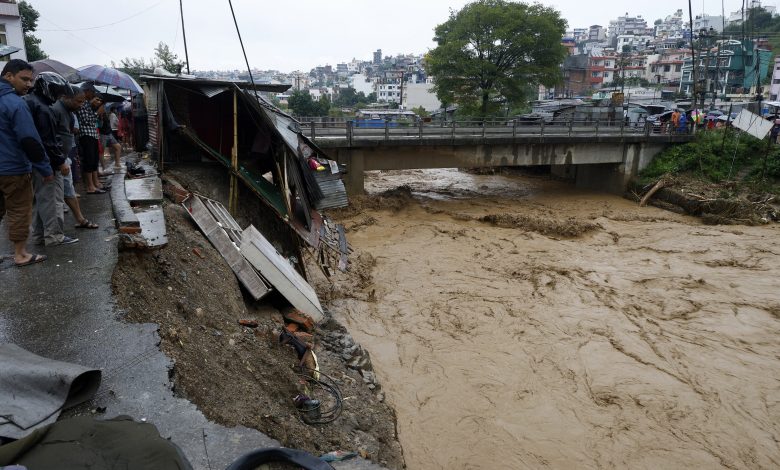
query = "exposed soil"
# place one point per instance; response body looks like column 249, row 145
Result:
column 239, row 375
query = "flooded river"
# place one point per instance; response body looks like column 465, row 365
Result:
column 648, row 341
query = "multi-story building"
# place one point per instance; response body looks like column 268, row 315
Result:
column 378, row 57
column 11, row 31
column 627, row 25
column 601, row 70
column 741, row 69
column 576, row 75
column 665, row 68
column 774, row 87
column 597, row 33
column 671, row 27
column 708, row 22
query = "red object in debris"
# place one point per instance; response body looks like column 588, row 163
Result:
column 305, row 337
column 197, row 252
column 301, row 319
column 248, row 323
column 291, row 327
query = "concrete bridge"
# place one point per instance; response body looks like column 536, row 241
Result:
column 597, row 155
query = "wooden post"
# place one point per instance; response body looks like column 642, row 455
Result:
column 233, row 197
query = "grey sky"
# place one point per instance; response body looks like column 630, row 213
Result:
column 283, row 35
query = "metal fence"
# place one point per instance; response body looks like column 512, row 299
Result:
column 350, row 130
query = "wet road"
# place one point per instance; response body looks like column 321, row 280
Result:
column 63, row 309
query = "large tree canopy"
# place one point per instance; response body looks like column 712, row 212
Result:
column 32, row 44
column 492, row 52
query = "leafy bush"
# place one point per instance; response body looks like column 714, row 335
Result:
column 713, row 158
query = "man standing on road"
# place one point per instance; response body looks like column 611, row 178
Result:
column 48, row 223
column 88, row 139
column 20, row 151
column 64, row 119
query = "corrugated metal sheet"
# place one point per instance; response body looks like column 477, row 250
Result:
column 212, row 91
column 334, row 195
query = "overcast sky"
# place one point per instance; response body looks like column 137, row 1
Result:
column 284, row 35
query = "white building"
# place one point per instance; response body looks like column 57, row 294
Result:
column 11, row 31
column 361, row 83
column 774, row 88
column 706, row 22
column 420, row 94
column 388, row 92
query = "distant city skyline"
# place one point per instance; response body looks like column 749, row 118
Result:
column 284, row 36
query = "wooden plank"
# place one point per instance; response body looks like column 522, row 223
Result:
column 280, row 273
column 219, row 238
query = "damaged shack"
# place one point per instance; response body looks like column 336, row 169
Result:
column 255, row 158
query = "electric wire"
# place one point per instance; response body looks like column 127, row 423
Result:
column 90, row 28
column 241, row 41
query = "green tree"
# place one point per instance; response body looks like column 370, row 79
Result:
column 302, row 104
column 420, row 111
column 489, row 53
column 163, row 57
column 32, row 44
column 167, row 59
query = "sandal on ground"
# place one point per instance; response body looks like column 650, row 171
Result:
column 86, row 224
column 97, row 191
column 33, row 259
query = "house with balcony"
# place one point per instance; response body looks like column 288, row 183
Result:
column 665, row 67
column 731, row 68
column 11, row 33
column 601, row 70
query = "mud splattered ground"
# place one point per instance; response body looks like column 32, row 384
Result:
column 243, row 376
column 580, row 331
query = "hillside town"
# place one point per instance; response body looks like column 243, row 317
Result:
column 648, row 60
column 524, row 241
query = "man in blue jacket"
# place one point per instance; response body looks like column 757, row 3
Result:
column 20, row 151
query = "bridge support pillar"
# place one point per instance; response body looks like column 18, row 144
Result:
column 614, row 177
column 354, row 179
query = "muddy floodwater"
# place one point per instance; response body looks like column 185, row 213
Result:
column 516, row 322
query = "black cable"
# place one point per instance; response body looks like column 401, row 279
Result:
column 251, row 79
column 327, row 415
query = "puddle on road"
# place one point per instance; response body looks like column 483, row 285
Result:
column 649, row 342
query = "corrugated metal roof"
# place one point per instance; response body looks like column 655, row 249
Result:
column 276, row 88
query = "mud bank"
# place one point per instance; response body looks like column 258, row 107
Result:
column 649, row 340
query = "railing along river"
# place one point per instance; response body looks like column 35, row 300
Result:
column 350, row 130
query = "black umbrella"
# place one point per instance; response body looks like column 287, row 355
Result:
column 50, row 65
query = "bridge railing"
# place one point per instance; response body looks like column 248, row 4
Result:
column 469, row 129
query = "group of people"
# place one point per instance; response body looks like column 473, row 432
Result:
column 49, row 129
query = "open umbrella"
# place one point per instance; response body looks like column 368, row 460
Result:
column 109, row 76
column 49, row 65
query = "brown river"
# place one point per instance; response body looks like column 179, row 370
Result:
column 505, row 340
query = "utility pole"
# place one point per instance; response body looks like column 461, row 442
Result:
column 693, row 55
column 184, row 35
